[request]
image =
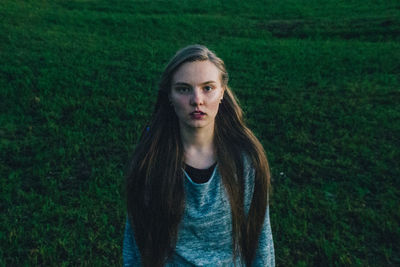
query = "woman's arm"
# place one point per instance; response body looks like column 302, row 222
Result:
column 130, row 251
column 265, row 255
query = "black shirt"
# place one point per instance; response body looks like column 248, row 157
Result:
column 200, row 176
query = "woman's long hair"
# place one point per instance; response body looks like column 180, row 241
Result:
column 155, row 182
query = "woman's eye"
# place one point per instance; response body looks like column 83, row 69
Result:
column 208, row 88
column 182, row 89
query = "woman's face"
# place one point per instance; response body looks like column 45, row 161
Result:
column 196, row 93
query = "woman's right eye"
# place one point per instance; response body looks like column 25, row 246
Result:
column 182, row 89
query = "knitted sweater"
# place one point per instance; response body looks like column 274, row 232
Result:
column 205, row 232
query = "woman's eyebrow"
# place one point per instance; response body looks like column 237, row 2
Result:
column 208, row 82
column 186, row 84
column 181, row 83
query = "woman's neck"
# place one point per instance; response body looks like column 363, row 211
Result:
column 198, row 144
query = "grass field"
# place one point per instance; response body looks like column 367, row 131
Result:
column 319, row 82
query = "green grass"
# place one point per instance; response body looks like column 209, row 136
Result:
column 319, row 81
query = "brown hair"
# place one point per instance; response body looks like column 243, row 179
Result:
column 155, row 192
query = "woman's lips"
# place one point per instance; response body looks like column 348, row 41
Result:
column 197, row 115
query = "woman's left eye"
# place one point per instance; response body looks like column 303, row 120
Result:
column 208, row 88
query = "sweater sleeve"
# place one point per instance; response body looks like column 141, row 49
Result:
column 265, row 255
column 130, row 251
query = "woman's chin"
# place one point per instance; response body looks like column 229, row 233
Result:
column 198, row 124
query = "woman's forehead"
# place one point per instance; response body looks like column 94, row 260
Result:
column 197, row 72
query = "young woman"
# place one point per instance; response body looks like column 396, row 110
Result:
column 197, row 189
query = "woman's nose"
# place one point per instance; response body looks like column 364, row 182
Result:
column 197, row 97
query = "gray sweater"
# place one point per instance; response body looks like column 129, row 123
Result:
column 205, row 232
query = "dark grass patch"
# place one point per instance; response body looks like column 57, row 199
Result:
column 367, row 29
